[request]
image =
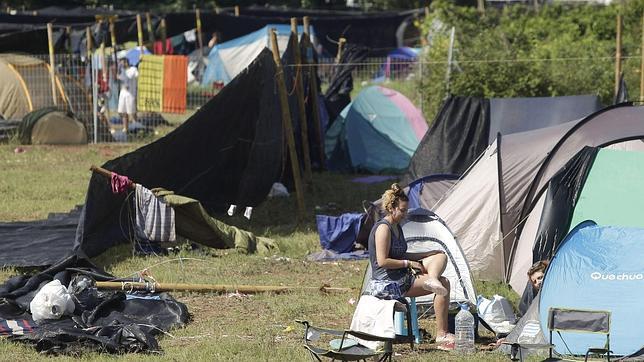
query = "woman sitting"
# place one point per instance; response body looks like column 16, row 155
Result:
column 392, row 266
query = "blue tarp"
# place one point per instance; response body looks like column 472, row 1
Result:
column 228, row 59
column 338, row 233
column 598, row 268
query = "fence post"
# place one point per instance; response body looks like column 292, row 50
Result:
column 52, row 62
column 288, row 127
column 199, row 36
column 341, row 42
column 94, row 72
column 449, row 58
column 139, row 32
column 642, row 63
column 164, row 35
column 618, row 53
column 148, row 25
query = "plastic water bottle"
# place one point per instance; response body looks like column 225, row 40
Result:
column 464, row 330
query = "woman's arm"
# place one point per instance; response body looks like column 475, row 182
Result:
column 383, row 243
column 420, row 256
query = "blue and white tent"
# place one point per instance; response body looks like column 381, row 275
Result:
column 228, row 59
column 596, row 268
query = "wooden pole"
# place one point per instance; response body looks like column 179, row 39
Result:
column 101, row 171
column 618, row 53
column 139, row 31
column 341, row 43
column 642, row 63
column 313, row 93
column 88, row 41
column 480, row 6
column 68, row 41
column 199, row 36
column 113, row 37
column 236, row 10
column 212, row 288
column 101, row 53
column 114, row 46
column 288, row 126
column 301, row 103
column 164, row 35
column 52, row 61
column 148, row 24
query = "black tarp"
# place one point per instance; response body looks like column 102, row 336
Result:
column 561, row 197
column 374, row 30
column 377, row 31
column 28, row 33
column 338, row 93
column 37, row 243
column 229, row 152
column 102, row 321
column 457, row 136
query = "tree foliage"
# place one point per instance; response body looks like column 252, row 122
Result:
column 519, row 52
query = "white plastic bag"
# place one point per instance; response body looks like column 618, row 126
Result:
column 51, row 302
column 278, row 190
column 498, row 313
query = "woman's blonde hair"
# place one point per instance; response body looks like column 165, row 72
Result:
column 392, row 197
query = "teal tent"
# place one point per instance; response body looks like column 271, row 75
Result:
column 378, row 132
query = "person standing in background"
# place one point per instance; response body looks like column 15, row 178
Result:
column 128, row 76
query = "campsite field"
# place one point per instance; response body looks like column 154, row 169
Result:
column 44, row 179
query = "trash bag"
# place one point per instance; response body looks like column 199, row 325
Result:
column 51, row 302
column 497, row 313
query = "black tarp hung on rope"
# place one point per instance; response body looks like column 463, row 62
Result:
column 458, row 135
column 338, row 94
column 229, row 152
column 102, row 321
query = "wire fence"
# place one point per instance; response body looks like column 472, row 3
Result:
column 89, row 88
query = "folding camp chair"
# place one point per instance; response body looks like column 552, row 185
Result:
column 344, row 348
column 583, row 321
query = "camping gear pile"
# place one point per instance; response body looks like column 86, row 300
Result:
column 92, row 319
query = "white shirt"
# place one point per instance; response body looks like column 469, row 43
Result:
column 128, row 78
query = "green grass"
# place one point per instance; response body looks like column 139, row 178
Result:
column 46, row 179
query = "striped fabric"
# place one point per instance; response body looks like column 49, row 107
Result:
column 154, row 218
column 15, row 327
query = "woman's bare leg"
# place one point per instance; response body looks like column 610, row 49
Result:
column 435, row 266
column 441, row 307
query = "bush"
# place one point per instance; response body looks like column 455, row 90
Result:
column 517, row 52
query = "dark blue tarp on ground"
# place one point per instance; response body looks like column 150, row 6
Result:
column 338, row 233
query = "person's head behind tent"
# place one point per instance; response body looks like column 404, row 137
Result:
column 536, row 273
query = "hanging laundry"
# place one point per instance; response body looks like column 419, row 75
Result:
column 155, row 219
column 190, row 35
column 158, row 47
column 175, row 81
